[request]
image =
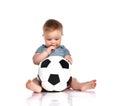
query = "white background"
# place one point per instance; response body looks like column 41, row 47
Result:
column 91, row 33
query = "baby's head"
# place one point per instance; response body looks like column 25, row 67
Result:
column 52, row 32
column 52, row 25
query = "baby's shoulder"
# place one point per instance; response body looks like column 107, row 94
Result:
column 42, row 46
column 62, row 46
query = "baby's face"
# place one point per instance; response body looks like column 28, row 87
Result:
column 53, row 38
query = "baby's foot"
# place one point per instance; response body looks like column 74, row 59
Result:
column 32, row 86
column 88, row 85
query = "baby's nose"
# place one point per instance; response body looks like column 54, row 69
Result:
column 53, row 41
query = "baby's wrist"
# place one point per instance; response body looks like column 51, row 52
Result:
column 46, row 52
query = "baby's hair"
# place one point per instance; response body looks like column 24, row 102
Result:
column 51, row 25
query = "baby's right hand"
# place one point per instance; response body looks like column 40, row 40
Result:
column 50, row 49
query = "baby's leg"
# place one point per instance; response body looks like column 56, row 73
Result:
column 82, row 86
column 34, row 85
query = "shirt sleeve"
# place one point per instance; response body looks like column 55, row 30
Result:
column 41, row 49
column 66, row 51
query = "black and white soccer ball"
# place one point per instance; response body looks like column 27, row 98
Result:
column 55, row 73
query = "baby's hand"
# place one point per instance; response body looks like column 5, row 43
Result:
column 68, row 58
column 50, row 49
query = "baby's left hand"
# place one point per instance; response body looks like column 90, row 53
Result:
column 68, row 58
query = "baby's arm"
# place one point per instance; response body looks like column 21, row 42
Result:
column 68, row 58
column 38, row 57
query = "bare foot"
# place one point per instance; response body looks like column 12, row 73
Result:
column 88, row 85
column 32, row 86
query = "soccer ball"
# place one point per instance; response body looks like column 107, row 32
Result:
column 54, row 73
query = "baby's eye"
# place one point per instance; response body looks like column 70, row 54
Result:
column 57, row 39
column 49, row 39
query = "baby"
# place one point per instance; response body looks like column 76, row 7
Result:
column 52, row 34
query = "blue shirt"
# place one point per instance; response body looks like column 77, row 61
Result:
column 60, row 51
